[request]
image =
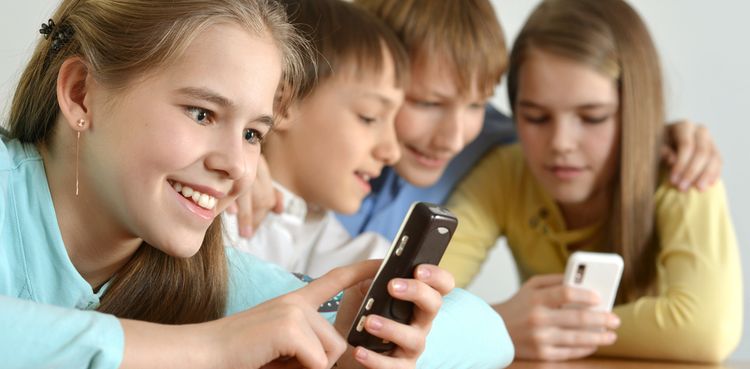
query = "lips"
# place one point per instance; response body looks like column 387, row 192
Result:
column 364, row 179
column 565, row 172
column 428, row 160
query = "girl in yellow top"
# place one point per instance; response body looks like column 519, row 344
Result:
column 585, row 88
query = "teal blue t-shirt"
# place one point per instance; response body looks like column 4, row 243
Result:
column 46, row 307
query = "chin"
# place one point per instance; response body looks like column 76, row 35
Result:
column 421, row 177
column 180, row 247
column 570, row 198
column 348, row 208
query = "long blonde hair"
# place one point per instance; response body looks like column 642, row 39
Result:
column 466, row 32
column 610, row 37
column 121, row 40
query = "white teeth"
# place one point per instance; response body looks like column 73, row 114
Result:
column 365, row 177
column 187, row 191
column 203, row 200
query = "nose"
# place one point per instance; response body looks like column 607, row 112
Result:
column 564, row 135
column 228, row 156
column 387, row 150
column 448, row 136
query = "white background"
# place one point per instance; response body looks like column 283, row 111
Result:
column 705, row 51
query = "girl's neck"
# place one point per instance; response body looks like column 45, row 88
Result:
column 586, row 213
column 96, row 246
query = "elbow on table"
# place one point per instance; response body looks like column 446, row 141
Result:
column 711, row 343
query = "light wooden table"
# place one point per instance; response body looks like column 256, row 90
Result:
column 622, row 364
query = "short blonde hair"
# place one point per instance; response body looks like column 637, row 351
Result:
column 466, row 32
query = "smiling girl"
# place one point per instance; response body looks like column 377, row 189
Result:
column 585, row 88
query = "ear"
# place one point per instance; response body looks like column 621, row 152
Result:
column 290, row 115
column 73, row 85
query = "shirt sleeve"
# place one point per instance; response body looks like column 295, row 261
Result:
column 475, row 202
column 253, row 281
column 697, row 314
column 466, row 333
column 36, row 335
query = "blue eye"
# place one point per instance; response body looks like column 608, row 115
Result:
column 199, row 115
column 253, row 136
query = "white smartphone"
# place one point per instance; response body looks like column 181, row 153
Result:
column 596, row 271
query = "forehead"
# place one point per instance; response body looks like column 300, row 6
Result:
column 556, row 80
column 361, row 87
column 437, row 74
column 225, row 58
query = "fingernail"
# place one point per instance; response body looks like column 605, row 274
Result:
column 399, row 286
column 611, row 337
column 684, row 185
column 423, row 273
column 246, row 231
column 374, row 323
column 615, row 321
column 702, row 185
column 675, row 179
column 360, row 354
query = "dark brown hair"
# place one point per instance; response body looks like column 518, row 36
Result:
column 346, row 38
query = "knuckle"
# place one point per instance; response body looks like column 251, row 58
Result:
column 420, row 343
column 568, row 294
column 582, row 317
column 340, row 346
column 537, row 337
column 536, row 317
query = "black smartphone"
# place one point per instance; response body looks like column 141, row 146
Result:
column 422, row 239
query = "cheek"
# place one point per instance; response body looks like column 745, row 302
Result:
column 473, row 127
column 411, row 124
column 604, row 145
column 532, row 141
column 252, row 158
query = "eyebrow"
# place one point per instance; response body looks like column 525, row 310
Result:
column 266, row 120
column 202, row 93
column 531, row 104
column 382, row 99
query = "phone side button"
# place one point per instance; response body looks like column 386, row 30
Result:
column 401, row 245
column 361, row 323
column 369, row 303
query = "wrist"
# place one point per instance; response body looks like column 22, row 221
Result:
column 151, row 345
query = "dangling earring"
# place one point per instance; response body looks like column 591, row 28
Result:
column 81, row 124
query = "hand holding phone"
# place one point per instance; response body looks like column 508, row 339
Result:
column 598, row 272
column 422, row 239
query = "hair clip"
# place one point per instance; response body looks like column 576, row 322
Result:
column 47, row 29
column 60, row 34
